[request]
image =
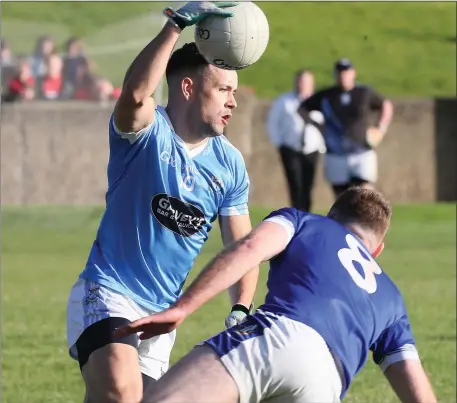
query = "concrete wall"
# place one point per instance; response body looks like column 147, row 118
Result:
column 56, row 153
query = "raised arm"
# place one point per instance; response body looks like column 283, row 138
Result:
column 135, row 107
column 410, row 382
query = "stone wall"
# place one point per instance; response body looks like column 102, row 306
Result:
column 56, row 153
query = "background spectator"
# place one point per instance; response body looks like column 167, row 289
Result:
column 51, row 84
column 44, row 75
column 73, row 58
column 88, row 86
column 298, row 143
column 7, row 63
column 22, row 85
column 6, row 55
column 44, row 48
column 347, row 109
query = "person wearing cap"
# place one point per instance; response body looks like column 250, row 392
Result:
column 298, row 144
column 350, row 138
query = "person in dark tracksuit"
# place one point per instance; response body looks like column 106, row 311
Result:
column 347, row 106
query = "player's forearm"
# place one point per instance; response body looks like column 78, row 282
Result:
column 416, row 392
column 234, row 228
column 146, row 71
column 222, row 272
column 410, row 382
column 243, row 291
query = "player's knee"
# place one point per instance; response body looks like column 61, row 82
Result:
column 123, row 391
column 116, row 391
column 112, row 375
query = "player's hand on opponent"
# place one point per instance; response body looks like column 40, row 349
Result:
column 238, row 314
column 195, row 11
column 154, row 325
column 169, row 319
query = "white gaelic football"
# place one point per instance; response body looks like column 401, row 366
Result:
column 236, row 42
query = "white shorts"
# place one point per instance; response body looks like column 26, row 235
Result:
column 90, row 302
column 278, row 359
column 340, row 169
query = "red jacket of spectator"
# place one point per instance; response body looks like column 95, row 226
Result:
column 17, row 87
column 51, row 87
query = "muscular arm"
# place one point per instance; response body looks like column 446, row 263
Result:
column 265, row 241
column 134, row 109
column 268, row 239
column 410, row 382
column 234, row 228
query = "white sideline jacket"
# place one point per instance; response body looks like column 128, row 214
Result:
column 286, row 127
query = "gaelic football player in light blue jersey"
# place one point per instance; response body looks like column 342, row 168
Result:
column 171, row 174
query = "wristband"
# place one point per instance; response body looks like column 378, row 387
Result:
column 175, row 18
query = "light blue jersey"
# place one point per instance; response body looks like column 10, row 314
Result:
column 160, row 205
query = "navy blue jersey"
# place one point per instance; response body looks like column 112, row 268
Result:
column 347, row 116
column 327, row 279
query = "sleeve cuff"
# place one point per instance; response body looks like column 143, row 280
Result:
column 132, row 136
column 285, row 223
column 407, row 352
column 234, row 210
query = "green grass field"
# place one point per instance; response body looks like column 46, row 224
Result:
column 44, row 249
column 402, row 48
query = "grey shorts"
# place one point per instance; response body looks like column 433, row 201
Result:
column 278, row 359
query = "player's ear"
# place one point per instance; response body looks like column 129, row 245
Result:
column 187, row 86
column 378, row 251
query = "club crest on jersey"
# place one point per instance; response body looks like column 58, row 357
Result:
column 176, row 215
column 345, row 98
column 217, row 183
column 92, row 295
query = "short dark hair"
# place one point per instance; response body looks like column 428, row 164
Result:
column 367, row 208
column 343, row 65
column 187, row 58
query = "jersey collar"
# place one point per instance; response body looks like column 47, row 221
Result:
column 190, row 152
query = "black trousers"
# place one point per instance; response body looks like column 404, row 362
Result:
column 300, row 170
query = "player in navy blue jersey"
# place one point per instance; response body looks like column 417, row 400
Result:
column 171, row 174
column 328, row 305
